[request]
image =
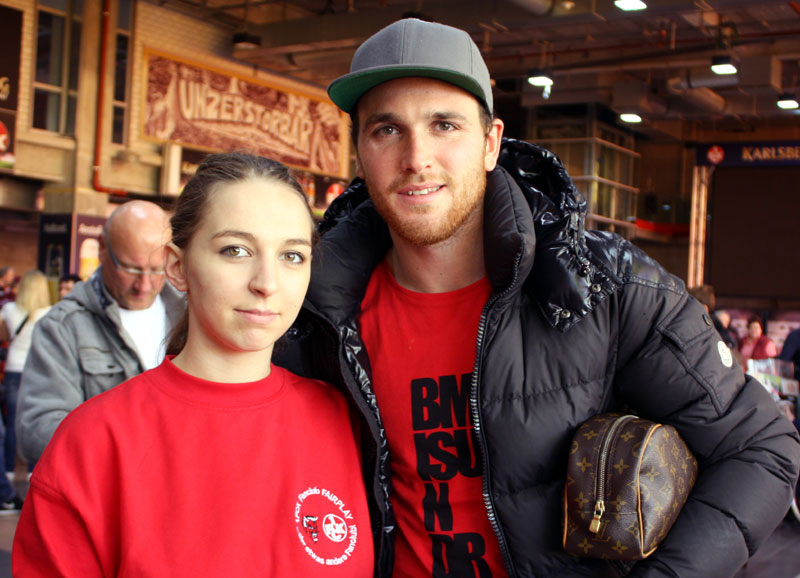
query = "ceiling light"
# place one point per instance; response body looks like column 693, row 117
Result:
column 539, row 77
column 630, row 117
column 629, row 5
column 787, row 101
column 723, row 64
column 246, row 41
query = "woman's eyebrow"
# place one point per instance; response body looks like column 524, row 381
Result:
column 234, row 233
column 250, row 237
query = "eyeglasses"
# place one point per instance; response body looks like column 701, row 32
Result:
column 131, row 270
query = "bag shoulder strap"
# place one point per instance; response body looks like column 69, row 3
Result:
column 21, row 325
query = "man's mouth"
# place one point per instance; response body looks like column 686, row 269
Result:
column 421, row 192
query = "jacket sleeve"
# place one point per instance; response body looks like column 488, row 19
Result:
column 674, row 368
column 50, row 387
column 51, row 539
column 790, row 346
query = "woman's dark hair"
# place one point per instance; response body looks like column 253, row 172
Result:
column 755, row 319
column 215, row 170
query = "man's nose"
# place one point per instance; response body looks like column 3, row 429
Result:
column 418, row 152
column 144, row 282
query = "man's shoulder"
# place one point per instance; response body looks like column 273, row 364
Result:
column 629, row 263
column 66, row 310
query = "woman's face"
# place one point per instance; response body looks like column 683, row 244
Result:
column 246, row 268
column 754, row 330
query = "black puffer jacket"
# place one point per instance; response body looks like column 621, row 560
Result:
column 579, row 322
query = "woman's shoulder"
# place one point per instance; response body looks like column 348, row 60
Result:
column 320, row 390
column 39, row 313
column 106, row 409
column 10, row 309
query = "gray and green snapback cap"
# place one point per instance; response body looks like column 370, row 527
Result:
column 412, row 47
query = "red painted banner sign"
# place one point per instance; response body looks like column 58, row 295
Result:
column 203, row 108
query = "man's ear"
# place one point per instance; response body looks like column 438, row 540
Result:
column 359, row 171
column 493, row 141
column 174, row 266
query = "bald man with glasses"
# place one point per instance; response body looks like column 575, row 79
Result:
column 108, row 329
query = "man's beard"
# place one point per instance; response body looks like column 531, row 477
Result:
column 467, row 193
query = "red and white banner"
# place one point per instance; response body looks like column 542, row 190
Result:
column 203, row 108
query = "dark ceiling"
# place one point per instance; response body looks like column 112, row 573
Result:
column 655, row 61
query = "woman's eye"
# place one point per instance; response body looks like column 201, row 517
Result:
column 234, row 251
column 294, row 257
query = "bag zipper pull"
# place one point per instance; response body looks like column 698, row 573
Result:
column 599, row 510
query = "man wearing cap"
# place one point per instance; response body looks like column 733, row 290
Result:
column 476, row 325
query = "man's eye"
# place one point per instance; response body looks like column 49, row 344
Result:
column 385, row 131
column 234, row 251
column 446, row 126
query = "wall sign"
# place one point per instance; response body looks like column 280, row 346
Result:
column 198, row 107
column 754, row 154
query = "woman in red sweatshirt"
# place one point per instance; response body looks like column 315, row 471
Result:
column 216, row 463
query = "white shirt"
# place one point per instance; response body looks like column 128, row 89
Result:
column 21, row 342
column 148, row 329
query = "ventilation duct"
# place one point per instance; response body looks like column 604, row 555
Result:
column 700, row 78
column 703, row 98
column 538, row 7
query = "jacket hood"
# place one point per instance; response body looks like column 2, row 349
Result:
column 85, row 295
column 533, row 213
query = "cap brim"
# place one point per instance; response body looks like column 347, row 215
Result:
column 348, row 89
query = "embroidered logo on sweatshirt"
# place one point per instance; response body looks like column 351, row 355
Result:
column 325, row 526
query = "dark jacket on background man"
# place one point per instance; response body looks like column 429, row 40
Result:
column 791, row 351
column 578, row 323
column 80, row 349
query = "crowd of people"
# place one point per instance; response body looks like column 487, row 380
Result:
column 399, row 383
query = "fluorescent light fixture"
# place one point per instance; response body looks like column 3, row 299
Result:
column 629, row 5
column 723, row 64
column 630, row 117
column 246, row 41
column 539, row 77
column 787, row 101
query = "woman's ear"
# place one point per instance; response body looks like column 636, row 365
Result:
column 174, row 267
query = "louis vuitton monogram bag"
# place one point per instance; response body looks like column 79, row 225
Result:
column 627, row 480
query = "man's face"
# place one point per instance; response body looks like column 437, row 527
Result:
column 64, row 287
column 133, row 250
column 8, row 279
column 424, row 153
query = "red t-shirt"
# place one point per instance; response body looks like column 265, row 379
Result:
column 171, row 475
column 422, row 350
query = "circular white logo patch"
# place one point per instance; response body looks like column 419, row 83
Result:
column 325, row 526
column 725, row 354
column 334, row 527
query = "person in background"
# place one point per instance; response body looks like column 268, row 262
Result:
column 108, row 329
column 791, row 350
column 19, row 318
column 705, row 295
column 136, row 482
column 66, row 283
column 756, row 345
column 459, row 299
column 728, row 333
column 7, row 276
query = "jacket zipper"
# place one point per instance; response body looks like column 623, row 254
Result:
column 378, row 518
column 602, row 468
column 481, row 442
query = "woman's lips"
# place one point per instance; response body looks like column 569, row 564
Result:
column 259, row 316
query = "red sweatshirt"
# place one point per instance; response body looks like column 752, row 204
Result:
column 168, row 475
